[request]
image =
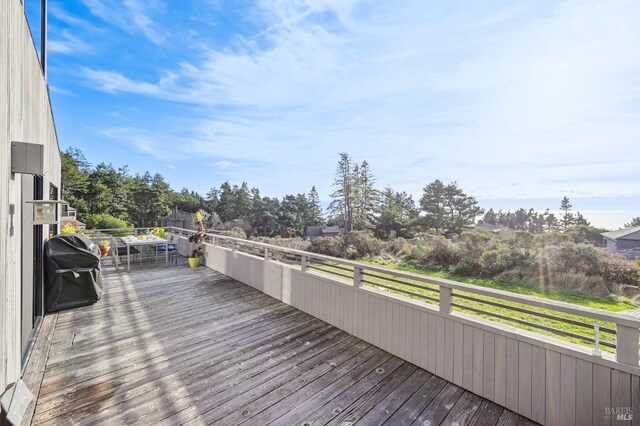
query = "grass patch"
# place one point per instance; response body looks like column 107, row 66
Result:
column 609, row 304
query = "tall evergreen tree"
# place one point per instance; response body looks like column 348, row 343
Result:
column 226, row 203
column 567, row 216
column 342, row 205
column 433, row 205
column 368, row 196
column 75, row 179
column 212, row 199
column 448, row 210
column 396, row 215
column 315, row 209
column 490, row 217
column 294, row 214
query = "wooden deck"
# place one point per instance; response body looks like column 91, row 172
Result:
column 189, row 346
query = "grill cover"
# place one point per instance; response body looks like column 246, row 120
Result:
column 72, row 272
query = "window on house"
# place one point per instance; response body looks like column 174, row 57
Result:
column 53, row 195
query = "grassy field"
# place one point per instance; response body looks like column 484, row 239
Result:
column 609, row 304
column 510, row 316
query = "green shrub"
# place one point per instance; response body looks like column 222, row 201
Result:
column 68, row 229
column 550, row 239
column 235, row 232
column 329, row 246
column 104, row 221
column 615, row 268
column 503, row 258
column 361, row 244
column 435, row 252
column 292, row 243
column 396, row 247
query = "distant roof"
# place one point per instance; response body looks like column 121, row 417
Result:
column 624, row 234
column 322, row 231
column 493, row 228
column 73, row 221
column 314, row 231
column 331, row 230
column 485, row 225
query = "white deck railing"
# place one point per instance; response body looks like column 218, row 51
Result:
column 444, row 293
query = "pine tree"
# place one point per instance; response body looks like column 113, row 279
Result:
column 342, row 204
column 448, row 210
column 396, row 214
column 433, row 204
column 368, row 196
column 490, row 217
column 567, row 216
column 315, row 209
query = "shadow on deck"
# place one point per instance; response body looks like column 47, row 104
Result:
column 191, row 346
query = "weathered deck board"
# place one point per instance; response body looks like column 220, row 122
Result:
column 190, row 346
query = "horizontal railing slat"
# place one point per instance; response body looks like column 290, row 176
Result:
column 534, row 313
column 534, row 325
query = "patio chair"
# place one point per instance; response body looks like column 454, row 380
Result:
column 170, row 247
column 120, row 251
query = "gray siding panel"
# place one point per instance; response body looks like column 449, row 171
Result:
column 25, row 116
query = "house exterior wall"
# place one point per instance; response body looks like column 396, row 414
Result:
column 25, row 116
column 621, row 244
column 627, row 244
column 634, row 236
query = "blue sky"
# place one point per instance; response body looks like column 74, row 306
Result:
column 524, row 101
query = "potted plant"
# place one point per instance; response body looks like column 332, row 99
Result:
column 68, row 228
column 105, row 246
column 197, row 239
column 159, row 232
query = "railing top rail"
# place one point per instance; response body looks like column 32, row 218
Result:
column 119, row 229
column 568, row 308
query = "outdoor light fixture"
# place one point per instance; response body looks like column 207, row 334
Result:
column 44, row 211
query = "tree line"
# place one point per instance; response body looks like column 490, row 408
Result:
column 107, row 197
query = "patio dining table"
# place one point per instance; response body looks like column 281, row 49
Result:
column 147, row 240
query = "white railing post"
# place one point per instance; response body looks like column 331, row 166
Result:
column 98, row 234
column 446, row 296
column 304, row 263
column 234, row 246
column 357, row 276
column 213, row 240
column 596, row 332
column 267, row 255
column 627, row 344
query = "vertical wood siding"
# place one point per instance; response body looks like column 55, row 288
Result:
column 25, row 116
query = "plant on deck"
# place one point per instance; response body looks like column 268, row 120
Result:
column 68, row 229
column 159, row 232
column 198, row 237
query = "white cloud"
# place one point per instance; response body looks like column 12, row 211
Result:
column 222, row 164
column 65, row 43
column 143, row 141
column 114, row 82
column 499, row 100
column 133, row 16
column 61, row 91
